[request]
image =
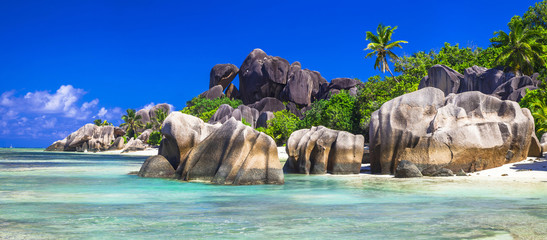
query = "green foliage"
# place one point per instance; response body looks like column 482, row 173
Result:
column 99, row 122
column 244, row 121
column 157, row 121
column 155, row 138
column 205, row 108
column 523, row 49
column 536, row 101
column 281, row 126
column 124, row 139
column 381, row 46
column 339, row 113
column 132, row 121
column 536, row 16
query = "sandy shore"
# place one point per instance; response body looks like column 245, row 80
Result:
column 147, row 152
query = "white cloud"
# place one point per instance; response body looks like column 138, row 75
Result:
column 102, row 112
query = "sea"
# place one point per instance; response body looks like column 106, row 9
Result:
column 55, row 195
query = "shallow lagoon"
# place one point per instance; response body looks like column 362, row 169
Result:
column 45, row 195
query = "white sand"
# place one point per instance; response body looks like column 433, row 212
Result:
column 529, row 170
column 146, row 152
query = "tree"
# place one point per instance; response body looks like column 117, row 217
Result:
column 381, row 46
column 132, row 121
column 537, row 15
column 161, row 115
column 522, row 49
column 99, row 122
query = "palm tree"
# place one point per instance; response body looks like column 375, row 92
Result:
column 381, row 46
column 161, row 115
column 132, row 121
column 99, row 122
column 521, row 48
column 539, row 112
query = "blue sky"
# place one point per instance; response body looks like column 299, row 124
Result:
column 65, row 63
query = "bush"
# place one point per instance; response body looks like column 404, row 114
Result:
column 339, row 113
column 536, row 101
column 155, row 138
column 205, row 108
column 281, row 126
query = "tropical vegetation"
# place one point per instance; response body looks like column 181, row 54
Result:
column 205, row 108
column 381, row 46
column 133, row 122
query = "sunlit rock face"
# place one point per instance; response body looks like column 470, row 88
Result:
column 320, row 150
column 470, row 131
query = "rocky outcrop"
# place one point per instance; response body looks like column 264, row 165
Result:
column 134, row 145
column 263, row 119
column 535, row 150
column 213, row 93
column 302, row 86
column 181, row 133
column 442, row 77
column 163, row 106
column 320, row 150
column 262, row 76
column 118, row 144
column 337, row 84
column 222, row 74
column 148, row 115
column 407, row 169
column 268, row 104
column 543, row 142
column 470, row 131
column 225, row 112
column 156, row 167
column 232, row 92
column 232, row 154
column 495, row 82
column 145, row 135
column 94, row 137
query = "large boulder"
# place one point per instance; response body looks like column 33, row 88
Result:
column 515, row 88
column 233, row 154
column 232, row 92
column 213, row 93
column 470, row 131
column 145, row 115
column 223, row 113
column 543, row 138
column 262, row 76
column 320, row 150
column 263, row 119
column 407, row 169
column 442, row 77
column 268, row 104
column 222, row 74
column 535, row 150
column 94, row 137
column 302, row 86
column 163, row 106
column 156, row 167
column 145, row 135
column 181, row 133
column 118, row 144
column 250, row 115
column 134, row 145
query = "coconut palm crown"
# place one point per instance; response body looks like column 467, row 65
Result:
column 522, row 48
column 132, row 121
column 381, row 46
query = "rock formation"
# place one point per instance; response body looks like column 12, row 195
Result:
column 407, row 169
column 470, row 131
column 320, row 150
column 222, row 74
column 213, row 92
column 535, row 150
column 226, row 112
column 94, row 137
column 233, row 154
column 494, row 82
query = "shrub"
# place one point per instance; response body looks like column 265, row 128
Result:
column 536, row 101
column 339, row 113
column 155, row 138
column 205, row 108
column 281, row 126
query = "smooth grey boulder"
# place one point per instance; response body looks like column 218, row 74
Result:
column 156, row 167
column 268, row 104
column 134, row 145
column 118, row 132
column 515, row 88
column 535, row 150
column 222, row 74
column 320, row 150
column 263, row 119
column 223, row 113
column 145, row 135
column 213, row 93
column 344, row 83
column 232, row 92
column 407, row 169
column 94, row 137
column 262, row 76
column 302, row 86
column 118, row 144
column 249, row 114
column 181, row 133
column 470, row 131
column 442, row 77
column 291, row 107
column 233, row 154
column 145, row 115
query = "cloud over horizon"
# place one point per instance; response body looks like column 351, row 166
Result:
column 42, row 114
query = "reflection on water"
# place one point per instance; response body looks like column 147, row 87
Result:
column 46, row 195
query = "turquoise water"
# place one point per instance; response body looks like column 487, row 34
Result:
column 45, row 195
